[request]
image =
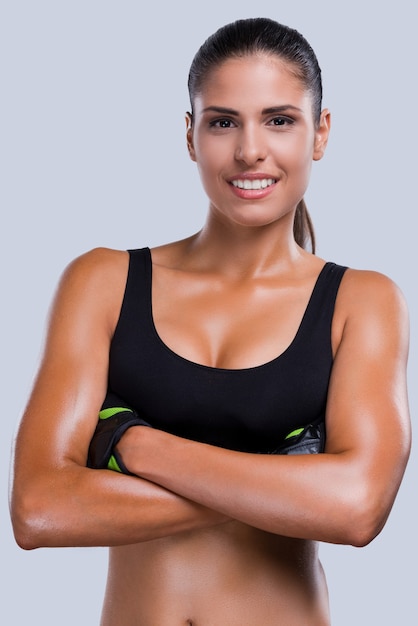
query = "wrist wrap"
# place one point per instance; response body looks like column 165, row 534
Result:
column 114, row 420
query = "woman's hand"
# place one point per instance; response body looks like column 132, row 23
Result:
column 115, row 417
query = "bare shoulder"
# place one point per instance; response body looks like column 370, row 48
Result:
column 93, row 282
column 98, row 264
column 99, row 269
column 373, row 305
column 368, row 290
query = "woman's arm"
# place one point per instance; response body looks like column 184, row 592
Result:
column 55, row 499
column 341, row 496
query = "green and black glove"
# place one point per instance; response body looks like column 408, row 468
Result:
column 115, row 417
column 307, row 440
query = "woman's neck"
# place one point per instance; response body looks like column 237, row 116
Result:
column 238, row 250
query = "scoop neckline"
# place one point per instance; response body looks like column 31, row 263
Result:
column 211, row 368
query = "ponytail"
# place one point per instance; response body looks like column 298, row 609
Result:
column 303, row 229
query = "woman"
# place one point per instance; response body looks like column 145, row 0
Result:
column 223, row 343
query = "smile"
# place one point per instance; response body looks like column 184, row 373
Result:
column 258, row 183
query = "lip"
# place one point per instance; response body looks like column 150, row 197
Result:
column 252, row 194
column 251, row 176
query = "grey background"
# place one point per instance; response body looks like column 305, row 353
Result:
column 92, row 153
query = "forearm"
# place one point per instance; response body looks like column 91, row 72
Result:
column 75, row 506
column 319, row 497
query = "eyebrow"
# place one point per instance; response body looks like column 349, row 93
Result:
column 268, row 111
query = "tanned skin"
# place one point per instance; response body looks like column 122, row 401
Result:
column 201, row 535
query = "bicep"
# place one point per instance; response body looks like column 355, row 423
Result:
column 367, row 411
column 71, row 383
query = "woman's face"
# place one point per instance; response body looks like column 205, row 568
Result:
column 253, row 138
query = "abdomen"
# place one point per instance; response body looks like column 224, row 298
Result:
column 230, row 574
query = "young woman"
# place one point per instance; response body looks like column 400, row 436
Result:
column 223, row 343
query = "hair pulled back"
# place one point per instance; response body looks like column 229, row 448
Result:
column 264, row 36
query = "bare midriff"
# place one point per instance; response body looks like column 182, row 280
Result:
column 227, row 575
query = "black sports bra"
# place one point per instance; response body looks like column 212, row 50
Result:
column 249, row 409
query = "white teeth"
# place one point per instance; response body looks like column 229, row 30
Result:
column 258, row 183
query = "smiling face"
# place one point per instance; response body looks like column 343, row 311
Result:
column 253, row 138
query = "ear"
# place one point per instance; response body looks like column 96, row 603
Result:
column 321, row 135
column 189, row 136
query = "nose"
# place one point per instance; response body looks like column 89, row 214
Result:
column 251, row 146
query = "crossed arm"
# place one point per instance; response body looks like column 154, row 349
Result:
column 55, row 500
column 344, row 495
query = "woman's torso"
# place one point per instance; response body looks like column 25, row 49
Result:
column 230, row 573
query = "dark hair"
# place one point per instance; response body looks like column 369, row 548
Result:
column 263, row 35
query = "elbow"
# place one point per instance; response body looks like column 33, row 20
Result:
column 26, row 523
column 24, row 536
column 31, row 514
column 363, row 520
column 362, row 535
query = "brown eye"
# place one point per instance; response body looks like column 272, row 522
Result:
column 222, row 123
column 281, row 121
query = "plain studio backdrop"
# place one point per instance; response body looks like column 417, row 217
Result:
column 93, row 95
